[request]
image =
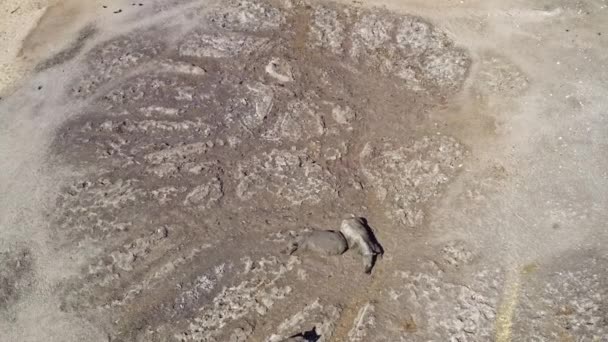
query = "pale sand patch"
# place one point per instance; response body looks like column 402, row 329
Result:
column 32, row 31
column 17, row 19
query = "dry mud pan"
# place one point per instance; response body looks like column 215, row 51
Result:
column 158, row 159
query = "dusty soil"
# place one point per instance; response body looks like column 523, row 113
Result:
column 160, row 158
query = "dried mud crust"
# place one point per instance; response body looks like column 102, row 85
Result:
column 16, row 275
column 434, row 308
column 195, row 153
column 565, row 299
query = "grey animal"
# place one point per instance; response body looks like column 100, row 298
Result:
column 359, row 235
column 324, row 242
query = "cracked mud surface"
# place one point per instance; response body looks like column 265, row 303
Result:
column 183, row 155
column 186, row 143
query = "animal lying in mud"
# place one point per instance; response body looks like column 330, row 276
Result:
column 323, row 242
column 354, row 234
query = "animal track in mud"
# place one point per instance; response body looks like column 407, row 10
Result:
column 258, row 114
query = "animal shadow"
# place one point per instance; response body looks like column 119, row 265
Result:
column 308, row 336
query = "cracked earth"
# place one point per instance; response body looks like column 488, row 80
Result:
column 160, row 158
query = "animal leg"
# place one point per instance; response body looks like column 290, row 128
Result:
column 368, row 262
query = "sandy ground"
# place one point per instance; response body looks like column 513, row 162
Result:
column 158, row 158
column 18, row 18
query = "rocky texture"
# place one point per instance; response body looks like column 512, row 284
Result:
column 401, row 46
column 192, row 139
column 114, row 59
column 244, row 125
column 565, row 300
column 253, row 296
column 318, row 317
column 499, row 76
column 15, row 276
column 219, row 45
column 364, row 321
column 407, row 177
column 285, row 174
column 442, row 310
column 457, row 254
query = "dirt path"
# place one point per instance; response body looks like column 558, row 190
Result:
column 158, row 157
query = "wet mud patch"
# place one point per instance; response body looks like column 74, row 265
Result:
column 261, row 119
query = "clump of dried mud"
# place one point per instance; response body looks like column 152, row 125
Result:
column 198, row 153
